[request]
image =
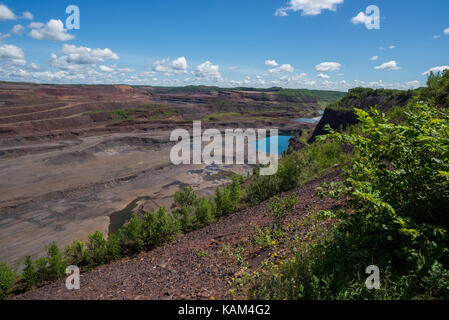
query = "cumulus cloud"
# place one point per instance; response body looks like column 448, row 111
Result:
column 9, row 51
column 413, row 84
column 18, row 29
column 390, row 65
column 207, row 70
column 84, row 55
column 435, row 70
column 271, row 63
column 323, row 76
column 168, row 67
column 392, row 47
column 53, row 31
column 28, row 15
column 74, row 58
column 446, row 31
column 328, row 66
column 283, row 68
column 362, row 18
column 6, row 13
column 374, row 58
column 106, row 69
column 308, row 7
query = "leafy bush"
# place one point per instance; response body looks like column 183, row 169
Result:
column 75, row 253
column 398, row 188
column 7, row 279
column 184, row 204
column 159, row 227
column 56, row 265
column 96, row 249
column 131, row 235
column 204, row 214
column 29, row 272
column 279, row 207
column 113, row 248
column 295, row 169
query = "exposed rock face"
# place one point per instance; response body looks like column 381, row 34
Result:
column 361, row 98
column 336, row 119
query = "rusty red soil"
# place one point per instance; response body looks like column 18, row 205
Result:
column 193, row 267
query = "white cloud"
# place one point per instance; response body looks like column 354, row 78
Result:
column 6, row 13
column 168, row 67
column 413, row 84
column 390, row 65
column 391, row 47
column 323, row 76
column 271, row 63
column 75, row 58
column 283, row 68
column 36, row 25
column 362, row 18
column 18, row 29
column 208, row 70
column 84, row 55
column 435, row 70
column 374, row 58
column 28, row 15
column 308, row 7
column 9, row 51
column 328, row 66
column 446, row 31
column 34, row 66
column 53, row 31
column 436, row 37
column 4, row 36
column 106, row 69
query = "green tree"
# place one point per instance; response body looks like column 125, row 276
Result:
column 7, row 279
column 96, row 249
column 55, row 261
column 113, row 248
column 131, row 234
column 184, row 205
column 159, row 227
column 204, row 213
column 75, row 254
column 29, row 272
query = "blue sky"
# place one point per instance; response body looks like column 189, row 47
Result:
column 317, row 44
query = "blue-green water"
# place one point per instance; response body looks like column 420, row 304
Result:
column 282, row 144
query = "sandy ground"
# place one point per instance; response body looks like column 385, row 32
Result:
column 63, row 193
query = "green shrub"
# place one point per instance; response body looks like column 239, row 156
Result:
column 42, row 270
column 159, row 227
column 131, row 235
column 56, row 266
column 75, row 254
column 279, row 207
column 7, row 279
column 295, row 169
column 184, row 205
column 29, row 272
column 113, row 248
column 398, row 188
column 204, row 213
column 96, row 249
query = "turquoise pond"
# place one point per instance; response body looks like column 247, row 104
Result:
column 282, row 144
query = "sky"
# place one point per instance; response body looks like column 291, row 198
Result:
column 314, row 44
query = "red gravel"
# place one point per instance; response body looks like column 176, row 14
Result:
column 178, row 270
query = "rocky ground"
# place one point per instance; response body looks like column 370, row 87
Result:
column 194, row 267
